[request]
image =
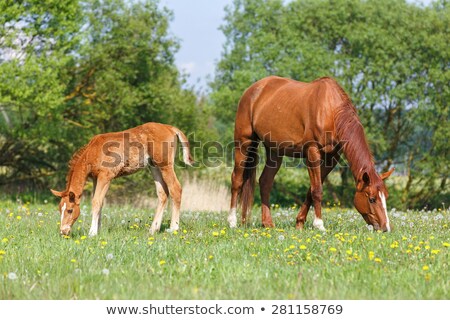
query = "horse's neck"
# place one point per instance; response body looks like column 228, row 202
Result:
column 77, row 179
column 358, row 155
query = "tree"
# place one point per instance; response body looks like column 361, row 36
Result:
column 84, row 67
column 381, row 52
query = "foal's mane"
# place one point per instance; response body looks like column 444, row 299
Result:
column 350, row 133
column 73, row 164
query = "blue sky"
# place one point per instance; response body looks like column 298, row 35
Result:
column 196, row 24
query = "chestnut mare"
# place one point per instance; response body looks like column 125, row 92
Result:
column 116, row 154
column 316, row 121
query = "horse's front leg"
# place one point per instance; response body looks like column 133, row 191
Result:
column 101, row 188
column 314, row 163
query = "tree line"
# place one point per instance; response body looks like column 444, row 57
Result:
column 72, row 69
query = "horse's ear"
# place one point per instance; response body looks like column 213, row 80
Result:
column 364, row 181
column 386, row 174
column 57, row 193
column 71, row 197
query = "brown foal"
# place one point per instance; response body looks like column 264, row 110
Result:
column 111, row 155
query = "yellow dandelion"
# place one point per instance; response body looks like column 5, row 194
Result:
column 246, row 235
column 222, row 232
column 73, row 260
column 104, row 243
column 333, row 249
column 425, row 268
column 19, row 218
column 349, row 251
column 435, row 251
column 215, row 234
column 377, row 260
column 162, row 262
column 2, row 252
column 446, row 244
column 254, row 255
column 150, row 243
column 211, row 257
column 5, row 240
column 302, row 247
column 83, row 237
column 175, row 232
column 371, row 255
column 184, row 231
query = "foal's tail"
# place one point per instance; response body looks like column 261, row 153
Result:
column 187, row 158
column 249, row 177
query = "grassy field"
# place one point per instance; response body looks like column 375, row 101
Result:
column 207, row 260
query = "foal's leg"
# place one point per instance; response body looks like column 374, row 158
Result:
column 271, row 168
column 101, row 188
column 174, row 187
column 237, row 177
column 162, row 192
column 326, row 167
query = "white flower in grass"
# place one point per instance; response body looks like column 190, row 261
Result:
column 12, row 276
column 281, row 237
column 105, row 272
column 370, row 227
column 109, row 256
column 123, row 221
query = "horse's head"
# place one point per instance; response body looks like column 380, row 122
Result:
column 69, row 208
column 370, row 200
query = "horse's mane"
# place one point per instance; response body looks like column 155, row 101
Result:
column 73, row 163
column 350, row 133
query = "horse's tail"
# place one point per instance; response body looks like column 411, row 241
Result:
column 187, row 158
column 249, row 177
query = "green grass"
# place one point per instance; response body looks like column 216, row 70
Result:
column 207, row 260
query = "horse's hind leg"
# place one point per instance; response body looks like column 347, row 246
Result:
column 174, row 187
column 163, row 192
column 271, row 168
column 241, row 155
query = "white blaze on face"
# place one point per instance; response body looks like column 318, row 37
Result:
column 383, row 202
column 63, row 210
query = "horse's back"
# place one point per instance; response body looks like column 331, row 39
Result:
column 282, row 110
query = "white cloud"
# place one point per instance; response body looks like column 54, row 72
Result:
column 188, row 67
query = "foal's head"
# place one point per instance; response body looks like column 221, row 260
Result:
column 370, row 200
column 69, row 208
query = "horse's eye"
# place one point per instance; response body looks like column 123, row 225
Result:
column 70, row 211
column 372, row 200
